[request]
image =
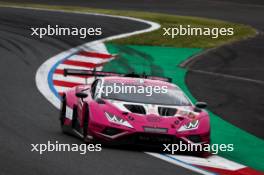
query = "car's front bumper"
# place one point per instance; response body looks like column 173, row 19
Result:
column 117, row 136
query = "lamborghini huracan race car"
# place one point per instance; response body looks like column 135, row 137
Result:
column 125, row 118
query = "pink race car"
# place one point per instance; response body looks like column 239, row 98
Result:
column 97, row 114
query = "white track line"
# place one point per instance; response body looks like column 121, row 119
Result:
column 88, row 59
column 66, row 66
column 228, row 76
column 72, row 79
column 61, row 88
column 213, row 161
column 180, row 163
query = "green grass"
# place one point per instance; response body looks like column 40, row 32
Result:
column 156, row 37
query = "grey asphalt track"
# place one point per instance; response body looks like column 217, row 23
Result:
column 238, row 101
column 28, row 118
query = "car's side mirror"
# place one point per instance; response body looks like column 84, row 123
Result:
column 81, row 95
column 199, row 106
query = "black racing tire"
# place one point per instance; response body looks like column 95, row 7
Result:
column 63, row 110
column 74, row 116
column 86, row 122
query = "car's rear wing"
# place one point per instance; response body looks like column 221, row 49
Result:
column 78, row 72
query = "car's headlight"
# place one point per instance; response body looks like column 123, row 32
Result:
column 189, row 126
column 114, row 119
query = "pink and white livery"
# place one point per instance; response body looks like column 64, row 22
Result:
column 138, row 118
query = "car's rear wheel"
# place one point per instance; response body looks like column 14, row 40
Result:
column 74, row 117
column 63, row 110
column 86, row 123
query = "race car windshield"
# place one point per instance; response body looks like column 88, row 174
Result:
column 144, row 94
